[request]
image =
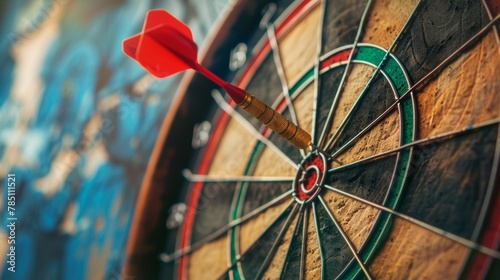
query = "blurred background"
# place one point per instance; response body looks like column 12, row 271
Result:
column 78, row 121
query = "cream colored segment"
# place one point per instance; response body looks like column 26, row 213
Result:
column 356, row 82
column 355, row 218
column 412, row 252
column 210, row 261
column 386, row 19
column 251, row 230
column 463, row 93
column 271, row 164
column 381, row 138
column 313, row 254
column 276, row 265
column 298, row 47
column 233, row 152
column 303, row 105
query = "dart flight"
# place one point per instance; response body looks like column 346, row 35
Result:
column 166, row 47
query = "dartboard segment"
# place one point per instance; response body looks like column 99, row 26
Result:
column 298, row 48
column 341, row 22
column 447, row 103
column 313, row 264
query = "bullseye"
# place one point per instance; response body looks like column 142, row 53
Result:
column 309, row 178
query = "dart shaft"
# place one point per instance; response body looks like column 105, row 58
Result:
column 267, row 115
column 276, row 122
column 207, row 73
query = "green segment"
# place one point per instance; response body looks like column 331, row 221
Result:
column 236, row 210
column 396, row 74
column 398, row 77
column 305, row 79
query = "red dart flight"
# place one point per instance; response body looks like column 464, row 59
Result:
column 165, row 47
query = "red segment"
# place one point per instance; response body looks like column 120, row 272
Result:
column 309, row 177
column 197, row 189
column 280, row 30
column 491, row 235
column 294, row 15
column 336, row 58
column 494, row 6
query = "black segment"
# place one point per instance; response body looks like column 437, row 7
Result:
column 369, row 181
column 259, row 194
column 439, row 28
column 329, row 82
column 259, row 33
column 341, row 23
column 225, row 276
column 291, row 267
column 167, row 270
column 253, row 258
column 213, row 209
column 494, row 272
column 375, row 100
column 465, row 164
column 336, row 252
column 281, row 5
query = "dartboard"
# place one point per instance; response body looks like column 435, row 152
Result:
column 402, row 101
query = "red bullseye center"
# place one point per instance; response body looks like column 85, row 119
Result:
column 309, row 178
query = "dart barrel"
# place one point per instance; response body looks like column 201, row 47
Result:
column 276, row 122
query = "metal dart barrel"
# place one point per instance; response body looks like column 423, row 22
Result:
column 276, row 122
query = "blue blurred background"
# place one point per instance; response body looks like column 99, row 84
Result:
column 78, row 121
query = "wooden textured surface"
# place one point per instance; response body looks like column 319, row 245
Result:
column 411, row 252
column 274, row 270
column 235, row 141
column 461, row 94
column 251, row 230
column 313, row 254
column 456, row 98
column 299, row 46
column 304, row 106
column 210, row 261
column 386, row 20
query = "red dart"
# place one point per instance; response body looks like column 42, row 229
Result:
column 165, row 47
